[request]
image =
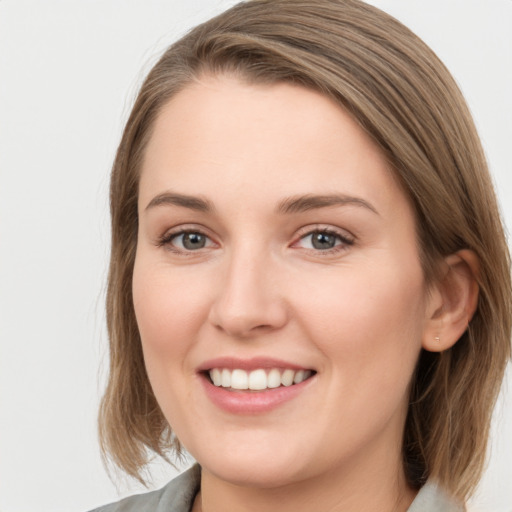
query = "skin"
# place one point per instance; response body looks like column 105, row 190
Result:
column 357, row 314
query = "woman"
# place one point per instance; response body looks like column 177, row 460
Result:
column 309, row 286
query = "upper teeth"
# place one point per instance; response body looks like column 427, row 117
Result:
column 257, row 379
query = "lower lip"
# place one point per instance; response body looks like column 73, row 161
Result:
column 252, row 402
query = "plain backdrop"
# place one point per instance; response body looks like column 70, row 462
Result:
column 69, row 70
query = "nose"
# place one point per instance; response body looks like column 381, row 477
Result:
column 250, row 299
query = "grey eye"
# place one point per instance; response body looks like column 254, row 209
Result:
column 323, row 241
column 191, row 241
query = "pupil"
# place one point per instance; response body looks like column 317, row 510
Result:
column 323, row 241
column 193, row 241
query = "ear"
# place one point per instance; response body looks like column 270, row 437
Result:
column 452, row 301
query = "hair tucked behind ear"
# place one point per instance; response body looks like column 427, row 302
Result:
column 405, row 99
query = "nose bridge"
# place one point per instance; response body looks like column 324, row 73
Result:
column 248, row 300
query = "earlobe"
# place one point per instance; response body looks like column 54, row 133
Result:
column 452, row 302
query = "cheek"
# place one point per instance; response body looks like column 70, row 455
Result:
column 169, row 307
column 368, row 322
column 169, row 310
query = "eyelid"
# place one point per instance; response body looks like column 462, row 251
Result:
column 325, row 228
column 169, row 235
column 347, row 238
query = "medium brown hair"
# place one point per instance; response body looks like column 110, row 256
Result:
column 402, row 95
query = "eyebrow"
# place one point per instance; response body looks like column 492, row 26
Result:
column 192, row 202
column 295, row 204
column 307, row 202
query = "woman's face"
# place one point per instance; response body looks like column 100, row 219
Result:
column 274, row 244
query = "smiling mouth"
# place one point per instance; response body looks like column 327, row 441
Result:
column 257, row 380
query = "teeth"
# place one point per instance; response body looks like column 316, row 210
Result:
column 274, row 378
column 257, row 380
column 216, row 376
column 287, row 377
column 299, row 377
column 239, row 379
column 225, row 380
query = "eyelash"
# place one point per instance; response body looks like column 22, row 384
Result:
column 346, row 241
column 166, row 240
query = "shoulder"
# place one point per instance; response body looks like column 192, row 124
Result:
column 177, row 496
column 432, row 498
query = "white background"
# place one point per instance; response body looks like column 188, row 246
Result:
column 69, row 70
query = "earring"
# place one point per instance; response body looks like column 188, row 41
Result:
column 437, row 339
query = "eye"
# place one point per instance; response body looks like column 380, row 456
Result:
column 324, row 240
column 185, row 241
column 190, row 241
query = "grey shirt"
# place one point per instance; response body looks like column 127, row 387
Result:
column 178, row 496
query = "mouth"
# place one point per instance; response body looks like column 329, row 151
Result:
column 254, row 386
column 260, row 379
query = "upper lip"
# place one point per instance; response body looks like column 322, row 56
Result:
column 254, row 363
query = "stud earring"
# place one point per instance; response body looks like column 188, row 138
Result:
column 437, row 339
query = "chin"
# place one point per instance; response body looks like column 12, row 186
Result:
column 256, row 476
column 254, row 471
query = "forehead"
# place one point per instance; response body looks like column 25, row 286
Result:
column 273, row 140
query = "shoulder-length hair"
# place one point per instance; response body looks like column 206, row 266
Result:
column 396, row 88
